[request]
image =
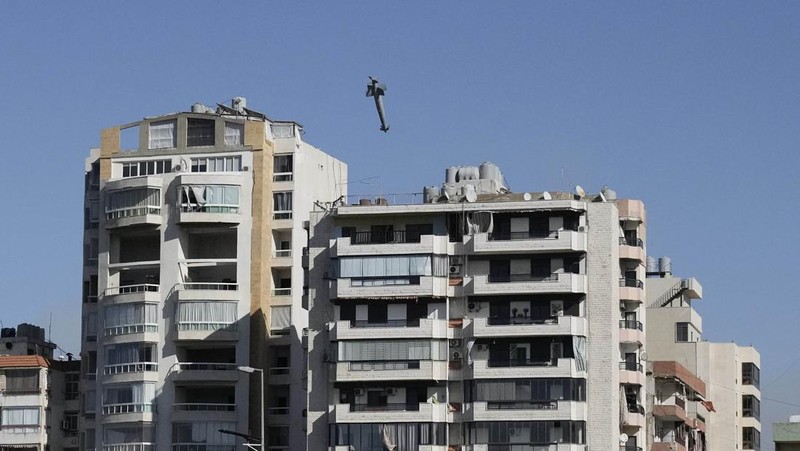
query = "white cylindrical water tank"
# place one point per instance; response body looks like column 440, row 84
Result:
column 651, row 265
column 609, row 193
column 450, row 174
column 198, row 108
column 665, row 265
column 451, row 190
column 489, row 171
column 430, row 193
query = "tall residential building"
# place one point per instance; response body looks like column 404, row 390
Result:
column 38, row 396
column 480, row 318
column 193, row 280
column 706, row 395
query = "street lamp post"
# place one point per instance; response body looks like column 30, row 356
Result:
column 251, row 370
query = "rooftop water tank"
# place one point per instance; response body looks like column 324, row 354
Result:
column 651, row 265
column 450, row 174
column 665, row 265
column 430, row 193
column 489, row 171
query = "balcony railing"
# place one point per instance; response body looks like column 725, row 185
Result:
column 130, row 329
column 384, row 281
column 216, row 286
column 204, row 407
column 522, row 362
column 630, row 448
column 279, row 370
column 630, row 324
column 278, row 410
column 201, row 447
column 281, row 253
column 205, row 366
column 636, row 408
column 282, row 214
column 282, row 177
column 389, row 407
column 388, row 323
column 523, row 320
column 139, row 288
column 637, row 242
column 137, row 367
column 387, row 237
column 631, row 283
column 133, row 211
column 504, row 278
column 206, row 326
column 385, row 365
column 517, row 405
column 527, row 235
column 208, row 208
column 631, row 366
column 282, row 291
column 142, row 446
column 110, row 409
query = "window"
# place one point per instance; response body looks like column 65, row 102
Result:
column 72, row 381
column 282, row 130
column 399, row 266
column 123, row 319
column 130, row 357
column 388, row 350
column 133, row 202
column 132, row 398
column 207, row 316
column 282, row 205
column 217, row 164
column 151, row 167
column 682, row 332
column 19, row 416
column 751, row 375
column 123, row 434
column 191, row 436
column 90, row 326
column 162, row 135
column 282, row 168
column 278, row 438
column 371, row 436
column 280, row 320
column 505, row 432
column 199, row 132
column 209, row 198
column 278, row 400
column 751, row 438
column 234, row 134
column 751, row 407
column 22, row 380
column 509, row 391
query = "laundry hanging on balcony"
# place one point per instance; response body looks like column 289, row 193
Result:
column 479, row 222
column 194, row 197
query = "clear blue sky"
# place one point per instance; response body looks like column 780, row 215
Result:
column 690, row 106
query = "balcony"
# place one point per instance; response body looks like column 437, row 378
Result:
column 526, row 326
column 282, row 258
column 395, row 287
column 631, row 331
column 631, row 249
column 485, row 284
column 554, row 410
column 132, row 293
column 137, row 367
column 391, row 370
column 195, row 411
column 631, row 210
column 483, row 369
column 133, row 202
column 205, row 372
column 631, row 289
column 139, row 446
column 395, row 243
column 202, row 447
column 390, row 413
column 528, row 242
column 207, row 291
column 631, row 373
column 128, row 412
column 206, row 330
column 420, row 328
column 15, row 436
column 634, row 418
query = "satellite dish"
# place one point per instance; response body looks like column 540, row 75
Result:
column 471, row 196
column 643, row 356
column 602, row 197
column 546, row 196
column 526, row 196
column 580, row 191
column 623, row 438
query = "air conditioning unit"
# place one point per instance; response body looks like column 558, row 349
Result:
column 581, row 228
column 474, row 307
column 455, row 355
column 481, row 347
column 390, row 391
column 456, row 265
column 177, row 168
column 455, row 343
column 512, row 431
column 358, row 392
column 556, row 308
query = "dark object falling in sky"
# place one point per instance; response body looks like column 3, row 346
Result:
column 377, row 91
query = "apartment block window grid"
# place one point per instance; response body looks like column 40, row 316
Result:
column 283, row 168
column 217, row 164
column 199, row 132
column 150, row 167
column 282, row 205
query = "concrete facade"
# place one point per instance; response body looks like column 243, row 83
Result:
column 510, row 316
column 193, row 249
column 723, row 416
column 786, row 436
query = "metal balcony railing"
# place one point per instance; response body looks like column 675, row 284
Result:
column 280, row 253
column 378, row 365
column 387, row 237
column 389, row 407
column 110, row 409
column 527, row 235
column 204, row 407
column 631, row 366
column 141, row 446
column 282, row 177
column 521, row 320
column 631, row 283
column 637, row 242
column 522, row 362
column 136, row 367
column 282, row 291
column 130, row 329
column 503, row 278
column 205, row 366
column 198, row 447
column 518, row 405
column 630, row 324
column 388, row 323
column 217, row 286
column 138, row 288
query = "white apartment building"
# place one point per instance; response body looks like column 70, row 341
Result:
column 706, row 395
column 480, row 319
column 193, row 280
column 38, row 404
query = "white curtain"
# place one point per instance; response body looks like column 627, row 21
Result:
column 234, row 134
column 579, row 349
column 623, row 407
column 280, row 317
column 137, row 393
column 130, row 353
column 282, row 201
column 206, row 315
column 130, row 198
column 130, row 314
column 392, row 350
column 28, row 416
column 387, row 266
column 282, row 130
column 480, row 222
column 162, row 135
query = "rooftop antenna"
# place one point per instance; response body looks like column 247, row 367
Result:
column 377, row 90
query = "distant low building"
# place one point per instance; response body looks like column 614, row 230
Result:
column 787, row 435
